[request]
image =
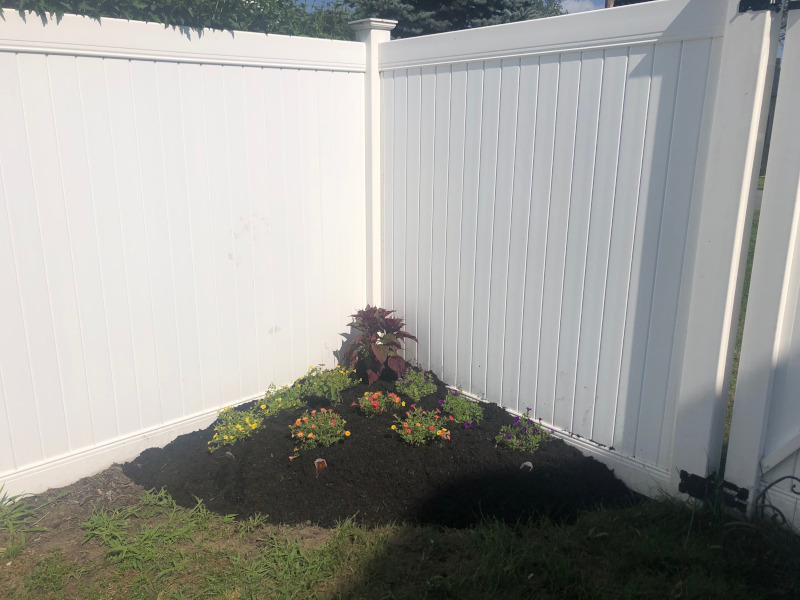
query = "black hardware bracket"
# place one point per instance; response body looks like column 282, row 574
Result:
column 756, row 5
column 706, row 488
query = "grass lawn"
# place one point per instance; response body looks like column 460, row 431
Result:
column 123, row 542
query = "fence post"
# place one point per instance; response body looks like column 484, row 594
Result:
column 373, row 32
column 733, row 142
column 767, row 342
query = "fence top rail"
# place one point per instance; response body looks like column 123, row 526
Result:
column 135, row 40
column 659, row 21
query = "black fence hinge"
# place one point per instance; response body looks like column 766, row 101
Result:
column 756, row 5
column 705, row 488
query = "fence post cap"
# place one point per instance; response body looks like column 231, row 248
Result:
column 373, row 24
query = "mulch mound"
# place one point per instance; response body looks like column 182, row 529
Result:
column 376, row 477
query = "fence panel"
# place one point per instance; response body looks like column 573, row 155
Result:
column 765, row 435
column 572, row 208
column 180, row 222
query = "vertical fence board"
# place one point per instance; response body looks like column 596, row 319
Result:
column 101, row 164
column 589, row 406
column 485, row 215
column 649, row 210
column 92, row 406
column 202, row 248
column 399, row 200
column 242, row 225
column 537, row 230
column 441, row 183
column 455, row 186
column 469, row 212
column 157, row 237
column 583, row 172
column 684, row 140
column 501, row 227
column 557, row 222
column 525, row 137
column 424, row 249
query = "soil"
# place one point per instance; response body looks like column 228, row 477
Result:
column 377, row 478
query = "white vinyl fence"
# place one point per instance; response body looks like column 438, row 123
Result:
column 557, row 207
column 563, row 200
column 180, row 217
column 765, row 433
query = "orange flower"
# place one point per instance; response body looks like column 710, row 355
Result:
column 313, row 426
column 408, row 431
column 333, row 421
column 299, row 434
column 431, row 427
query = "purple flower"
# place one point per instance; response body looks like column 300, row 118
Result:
column 508, row 436
column 466, row 425
column 524, row 430
column 441, row 402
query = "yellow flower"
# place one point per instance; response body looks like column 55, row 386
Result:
column 347, row 433
column 417, row 424
column 263, row 406
column 394, row 426
column 403, row 404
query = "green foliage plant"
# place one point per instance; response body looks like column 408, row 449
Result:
column 524, row 434
column 234, row 425
column 328, row 384
column 423, row 17
column 462, row 409
column 416, row 384
column 317, row 428
column 419, row 427
column 15, row 516
column 327, row 19
column 378, row 344
column 278, row 399
column 375, row 403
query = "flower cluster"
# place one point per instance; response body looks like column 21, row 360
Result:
column 283, row 398
column 416, row 384
column 328, row 384
column 524, row 434
column 463, row 410
column 420, row 427
column 317, row 428
column 375, row 403
column 233, row 425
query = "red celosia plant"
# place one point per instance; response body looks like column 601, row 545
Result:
column 378, row 344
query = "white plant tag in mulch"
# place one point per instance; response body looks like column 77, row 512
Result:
column 320, row 464
column 526, row 466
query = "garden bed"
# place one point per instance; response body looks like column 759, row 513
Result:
column 374, row 475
